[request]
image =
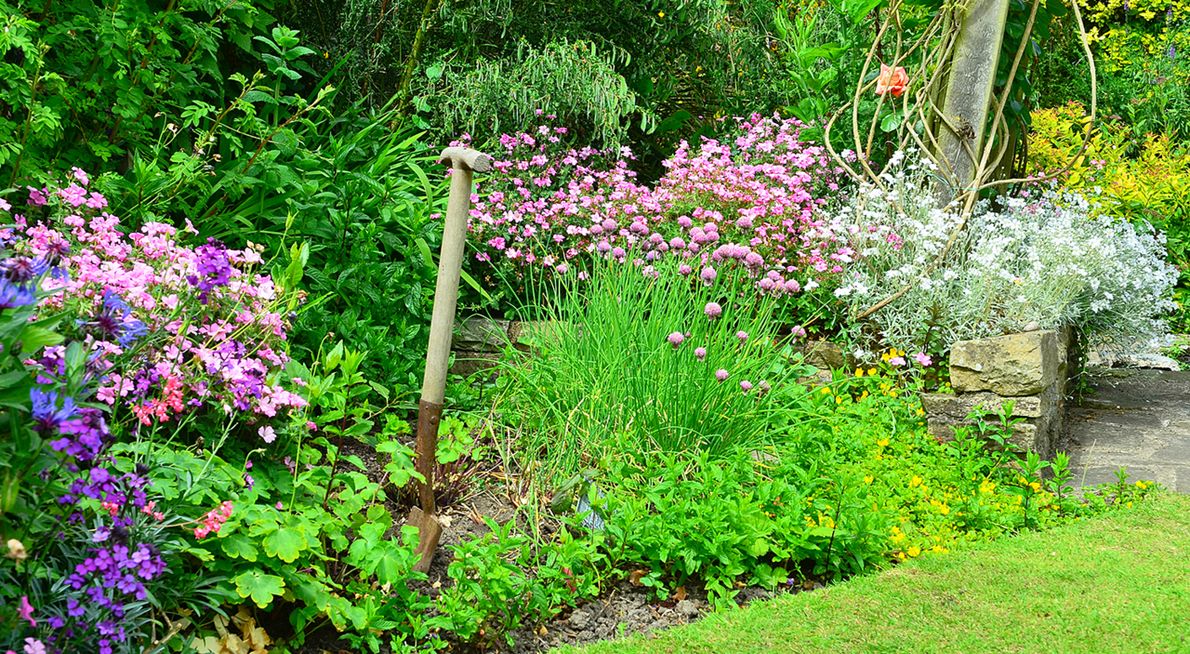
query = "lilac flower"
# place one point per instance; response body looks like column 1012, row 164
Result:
column 923, row 359
column 745, row 385
column 721, row 375
column 700, row 353
column 675, row 339
column 214, row 268
column 708, row 275
column 742, row 335
column 713, row 310
column 33, row 646
column 267, row 434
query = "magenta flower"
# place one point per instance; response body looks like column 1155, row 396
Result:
column 700, row 353
column 923, row 359
column 742, row 335
column 713, row 310
column 675, row 339
column 721, row 375
column 708, row 275
column 25, row 611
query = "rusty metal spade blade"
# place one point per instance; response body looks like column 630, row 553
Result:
column 463, row 162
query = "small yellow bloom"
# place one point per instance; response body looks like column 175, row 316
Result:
column 915, row 482
column 871, row 371
column 661, row 14
column 883, row 442
column 1035, row 486
column 826, row 390
column 1142, row 485
column 914, row 552
column 987, row 487
column 16, row 550
column 868, row 479
column 859, row 372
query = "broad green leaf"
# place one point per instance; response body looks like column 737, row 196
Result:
column 260, row 587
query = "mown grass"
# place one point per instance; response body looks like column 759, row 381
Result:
column 1115, row 583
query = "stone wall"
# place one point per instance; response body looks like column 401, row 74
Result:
column 1031, row 369
column 478, row 341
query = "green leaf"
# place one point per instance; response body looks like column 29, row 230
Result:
column 239, row 546
column 890, row 122
column 261, row 587
column 285, row 544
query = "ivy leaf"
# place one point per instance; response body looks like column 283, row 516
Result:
column 261, row 587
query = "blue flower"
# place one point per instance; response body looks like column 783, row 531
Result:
column 46, row 414
column 15, row 295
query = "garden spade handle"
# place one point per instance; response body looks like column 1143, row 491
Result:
column 463, row 162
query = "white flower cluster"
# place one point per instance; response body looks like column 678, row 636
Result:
column 1045, row 259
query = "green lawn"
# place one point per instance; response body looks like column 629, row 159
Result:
column 1119, row 583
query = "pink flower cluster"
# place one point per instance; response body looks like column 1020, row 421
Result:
column 751, row 202
column 213, row 521
column 169, row 327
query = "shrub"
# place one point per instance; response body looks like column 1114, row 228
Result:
column 1044, row 259
column 753, row 200
column 167, row 327
column 1143, row 181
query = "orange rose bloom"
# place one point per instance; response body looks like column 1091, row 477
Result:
column 891, row 80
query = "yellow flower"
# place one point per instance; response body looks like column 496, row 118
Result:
column 897, row 535
column 938, row 549
column 1035, row 486
column 871, row 371
column 16, row 550
column 859, row 372
column 915, row 482
column 868, row 479
column 987, row 487
column 914, row 551
column 883, row 442
column 661, row 14
column 1142, row 485
column 825, row 390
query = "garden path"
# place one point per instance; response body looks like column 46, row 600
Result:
column 1135, row 418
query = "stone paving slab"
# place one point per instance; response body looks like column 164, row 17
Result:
column 1138, row 419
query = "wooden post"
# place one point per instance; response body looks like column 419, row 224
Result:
column 969, row 89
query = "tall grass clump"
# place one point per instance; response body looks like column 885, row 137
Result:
column 631, row 359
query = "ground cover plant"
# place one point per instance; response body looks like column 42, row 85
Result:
column 946, row 603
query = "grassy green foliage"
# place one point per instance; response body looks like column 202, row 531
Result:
column 632, row 362
column 1111, row 583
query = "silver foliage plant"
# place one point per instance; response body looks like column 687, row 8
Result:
column 1043, row 259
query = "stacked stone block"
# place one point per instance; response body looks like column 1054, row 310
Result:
column 1030, row 369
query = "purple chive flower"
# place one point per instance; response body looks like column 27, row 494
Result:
column 742, row 335
column 708, row 275
column 713, row 310
column 700, row 353
column 721, row 375
column 675, row 339
column 685, row 269
column 746, row 385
